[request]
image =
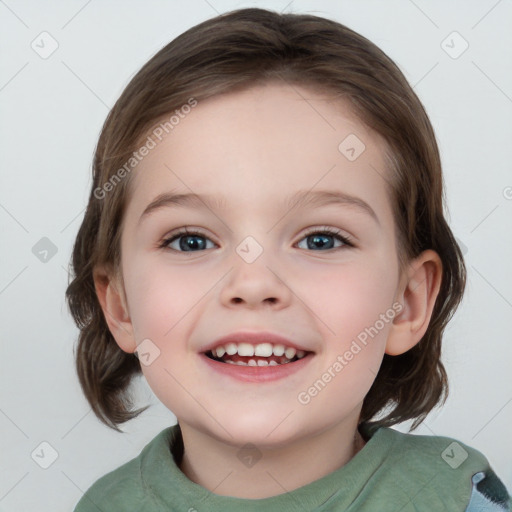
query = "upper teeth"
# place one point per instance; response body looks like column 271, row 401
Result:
column 262, row 350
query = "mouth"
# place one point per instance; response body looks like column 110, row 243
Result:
column 256, row 357
column 260, row 355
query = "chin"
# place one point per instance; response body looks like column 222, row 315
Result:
column 266, row 431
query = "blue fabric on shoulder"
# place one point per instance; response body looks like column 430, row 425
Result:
column 488, row 493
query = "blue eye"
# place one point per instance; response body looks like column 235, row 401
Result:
column 324, row 239
column 188, row 241
column 194, row 241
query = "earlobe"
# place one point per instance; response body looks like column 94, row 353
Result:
column 419, row 292
column 115, row 310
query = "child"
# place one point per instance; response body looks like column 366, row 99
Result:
column 265, row 241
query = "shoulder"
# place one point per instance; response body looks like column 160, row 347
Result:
column 123, row 488
column 115, row 490
column 444, row 473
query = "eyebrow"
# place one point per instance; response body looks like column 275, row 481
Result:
column 301, row 199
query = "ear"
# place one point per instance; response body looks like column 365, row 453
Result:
column 418, row 292
column 110, row 292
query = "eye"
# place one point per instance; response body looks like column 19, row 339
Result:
column 193, row 241
column 322, row 238
column 187, row 241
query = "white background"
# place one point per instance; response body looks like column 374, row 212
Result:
column 52, row 112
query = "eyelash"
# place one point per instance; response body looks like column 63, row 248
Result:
column 346, row 240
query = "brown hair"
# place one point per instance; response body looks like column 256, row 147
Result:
column 231, row 52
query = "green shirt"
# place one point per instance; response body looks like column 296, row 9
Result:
column 394, row 472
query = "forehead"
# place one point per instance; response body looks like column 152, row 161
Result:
column 262, row 145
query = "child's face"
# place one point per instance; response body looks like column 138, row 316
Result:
column 255, row 150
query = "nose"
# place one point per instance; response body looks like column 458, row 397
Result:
column 255, row 285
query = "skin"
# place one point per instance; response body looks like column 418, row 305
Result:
column 255, row 149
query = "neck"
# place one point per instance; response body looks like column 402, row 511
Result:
column 251, row 473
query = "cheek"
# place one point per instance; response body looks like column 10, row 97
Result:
column 348, row 298
column 160, row 297
column 353, row 308
column 163, row 302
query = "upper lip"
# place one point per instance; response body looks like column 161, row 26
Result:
column 254, row 338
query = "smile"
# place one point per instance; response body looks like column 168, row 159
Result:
column 262, row 354
column 256, row 356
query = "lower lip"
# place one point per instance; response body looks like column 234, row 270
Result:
column 257, row 373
